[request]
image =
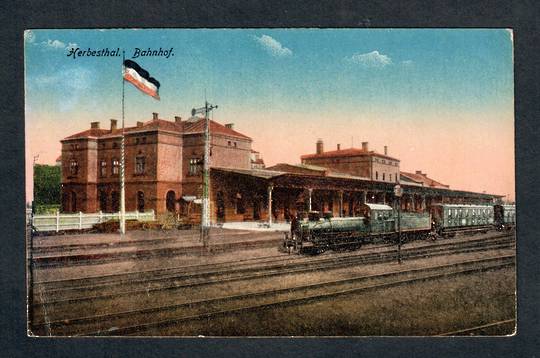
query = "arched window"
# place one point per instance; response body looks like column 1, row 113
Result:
column 115, row 201
column 73, row 167
column 103, row 168
column 140, row 162
column 170, row 201
column 140, row 201
column 115, row 166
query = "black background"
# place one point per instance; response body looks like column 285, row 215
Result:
column 522, row 16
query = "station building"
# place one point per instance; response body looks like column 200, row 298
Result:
column 164, row 173
column 163, row 162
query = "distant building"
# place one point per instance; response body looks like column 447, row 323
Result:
column 256, row 160
column 421, row 179
column 163, row 163
column 360, row 162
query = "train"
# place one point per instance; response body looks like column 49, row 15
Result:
column 380, row 222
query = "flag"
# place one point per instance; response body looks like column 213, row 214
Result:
column 140, row 78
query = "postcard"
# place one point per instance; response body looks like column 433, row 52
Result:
column 270, row 182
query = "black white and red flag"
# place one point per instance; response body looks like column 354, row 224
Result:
column 140, row 78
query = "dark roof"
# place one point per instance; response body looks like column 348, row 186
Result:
column 349, row 152
column 422, row 178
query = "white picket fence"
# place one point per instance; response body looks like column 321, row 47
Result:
column 81, row 220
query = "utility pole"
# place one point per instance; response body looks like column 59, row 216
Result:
column 398, row 192
column 205, row 217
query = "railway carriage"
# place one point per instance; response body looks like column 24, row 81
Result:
column 451, row 218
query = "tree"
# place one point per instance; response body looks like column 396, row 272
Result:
column 47, row 184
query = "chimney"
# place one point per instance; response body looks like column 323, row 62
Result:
column 365, row 146
column 177, row 119
column 320, row 146
column 385, row 150
column 420, row 172
column 94, row 125
column 140, row 124
column 113, row 124
column 154, row 116
column 229, row 125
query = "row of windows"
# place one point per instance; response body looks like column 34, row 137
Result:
column 137, row 140
column 385, row 161
column 140, row 166
column 390, row 176
column 467, row 212
column 229, row 143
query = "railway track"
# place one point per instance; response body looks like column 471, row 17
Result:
column 78, row 325
column 98, row 258
column 76, row 290
column 145, row 321
column 478, row 329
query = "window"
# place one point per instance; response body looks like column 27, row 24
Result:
column 73, row 167
column 115, row 145
column 376, row 175
column 194, row 164
column 383, row 176
column 229, row 143
column 115, row 166
column 235, row 144
column 389, row 177
column 103, row 168
column 139, row 165
column 143, row 140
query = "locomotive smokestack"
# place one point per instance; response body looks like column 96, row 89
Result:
column 365, row 146
column 320, row 147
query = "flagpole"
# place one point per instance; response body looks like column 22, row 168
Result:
column 122, row 162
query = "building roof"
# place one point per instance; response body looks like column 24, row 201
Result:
column 160, row 124
column 198, row 127
column 92, row 132
column 422, row 178
column 314, row 170
column 349, row 152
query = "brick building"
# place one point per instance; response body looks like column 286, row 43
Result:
column 163, row 163
column 164, row 173
column 360, row 162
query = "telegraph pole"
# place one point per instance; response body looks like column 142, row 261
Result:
column 398, row 192
column 205, row 217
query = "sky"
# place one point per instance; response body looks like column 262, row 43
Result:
column 442, row 100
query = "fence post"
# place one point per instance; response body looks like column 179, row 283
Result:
column 57, row 220
column 100, row 216
column 80, row 220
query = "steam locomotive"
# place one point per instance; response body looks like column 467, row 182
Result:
column 379, row 222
